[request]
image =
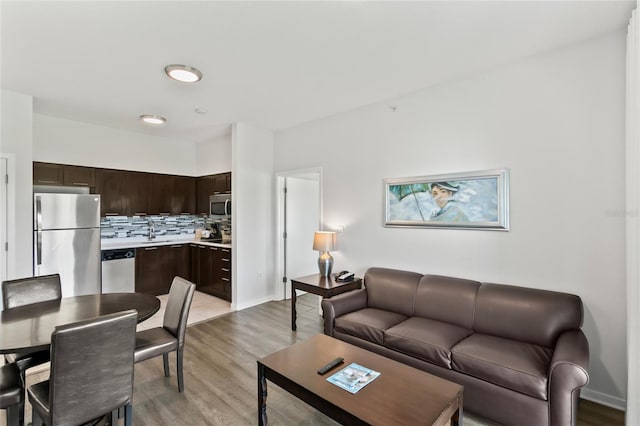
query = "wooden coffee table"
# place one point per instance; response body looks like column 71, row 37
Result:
column 402, row 395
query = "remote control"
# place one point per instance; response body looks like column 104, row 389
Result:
column 329, row 366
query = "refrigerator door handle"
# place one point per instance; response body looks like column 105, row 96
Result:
column 38, row 231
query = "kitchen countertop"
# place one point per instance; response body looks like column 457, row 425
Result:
column 162, row 240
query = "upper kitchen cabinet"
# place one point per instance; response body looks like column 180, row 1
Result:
column 122, row 192
column 222, row 183
column 139, row 186
column 172, row 195
column 48, row 174
column 63, row 175
column 204, row 188
column 209, row 185
column 111, row 184
column 79, row 176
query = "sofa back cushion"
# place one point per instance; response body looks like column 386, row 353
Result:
column 447, row 299
column 526, row 314
column 391, row 289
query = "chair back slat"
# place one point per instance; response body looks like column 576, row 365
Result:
column 25, row 291
column 91, row 367
column 178, row 305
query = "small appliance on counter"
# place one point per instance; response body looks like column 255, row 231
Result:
column 213, row 235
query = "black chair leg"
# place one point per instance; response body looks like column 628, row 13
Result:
column 35, row 419
column 13, row 415
column 165, row 360
column 179, row 365
column 128, row 415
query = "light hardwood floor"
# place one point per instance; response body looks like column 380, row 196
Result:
column 221, row 374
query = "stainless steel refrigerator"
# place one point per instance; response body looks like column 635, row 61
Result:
column 66, row 240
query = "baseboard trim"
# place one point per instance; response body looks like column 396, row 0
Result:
column 251, row 303
column 604, row 399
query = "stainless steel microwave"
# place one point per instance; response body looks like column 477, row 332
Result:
column 220, row 206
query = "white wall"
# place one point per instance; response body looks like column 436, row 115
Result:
column 17, row 139
column 557, row 122
column 57, row 140
column 253, row 206
column 213, row 156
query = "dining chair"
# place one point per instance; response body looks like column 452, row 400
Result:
column 25, row 291
column 170, row 337
column 91, row 372
column 11, row 393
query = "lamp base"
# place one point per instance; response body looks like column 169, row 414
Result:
column 325, row 264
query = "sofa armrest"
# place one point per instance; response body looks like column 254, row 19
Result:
column 567, row 374
column 340, row 305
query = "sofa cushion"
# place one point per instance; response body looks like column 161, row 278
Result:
column 426, row 339
column 447, row 299
column 391, row 290
column 510, row 311
column 368, row 324
column 519, row 366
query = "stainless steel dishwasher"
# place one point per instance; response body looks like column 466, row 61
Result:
column 119, row 271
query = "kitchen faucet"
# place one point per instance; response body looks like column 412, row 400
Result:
column 152, row 230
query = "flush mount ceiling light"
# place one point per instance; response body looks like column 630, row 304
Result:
column 154, row 120
column 183, row 73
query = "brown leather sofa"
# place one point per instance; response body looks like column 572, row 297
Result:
column 519, row 352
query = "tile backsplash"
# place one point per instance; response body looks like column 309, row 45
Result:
column 138, row 226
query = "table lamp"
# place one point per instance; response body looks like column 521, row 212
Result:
column 324, row 242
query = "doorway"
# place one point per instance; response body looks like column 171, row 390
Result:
column 299, row 216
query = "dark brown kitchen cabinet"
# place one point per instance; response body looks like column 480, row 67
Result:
column 224, row 272
column 176, row 262
column 222, row 182
column 136, row 191
column 48, row 174
column 79, row 176
column 211, row 270
column 204, row 188
column 112, row 187
column 157, row 266
column 172, row 195
column 123, row 192
column 149, row 279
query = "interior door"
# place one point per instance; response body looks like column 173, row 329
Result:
column 301, row 220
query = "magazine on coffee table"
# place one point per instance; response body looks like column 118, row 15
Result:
column 353, row 377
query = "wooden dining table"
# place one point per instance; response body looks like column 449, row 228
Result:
column 28, row 328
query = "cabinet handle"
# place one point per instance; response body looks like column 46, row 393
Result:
column 225, row 269
column 140, row 213
column 177, row 246
column 151, row 248
column 213, row 248
column 165, row 214
column 225, row 250
column 81, row 183
column 201, row 247
column 225, row 279
column 112, row 214
column 45, row 181
column 224, row 260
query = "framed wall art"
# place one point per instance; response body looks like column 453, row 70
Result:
column 471, row 200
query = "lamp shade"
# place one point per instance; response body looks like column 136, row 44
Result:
column 324, row 241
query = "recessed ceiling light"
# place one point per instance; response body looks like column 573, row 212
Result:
column 183, row 73
column 154, row 120
column 201, row 110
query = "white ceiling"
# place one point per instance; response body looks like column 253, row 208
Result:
column 270, row 64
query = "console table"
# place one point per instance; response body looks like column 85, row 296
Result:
column 322, row 286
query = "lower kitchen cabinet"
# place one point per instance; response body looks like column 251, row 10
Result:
column 157, row 266
column 211, row 270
